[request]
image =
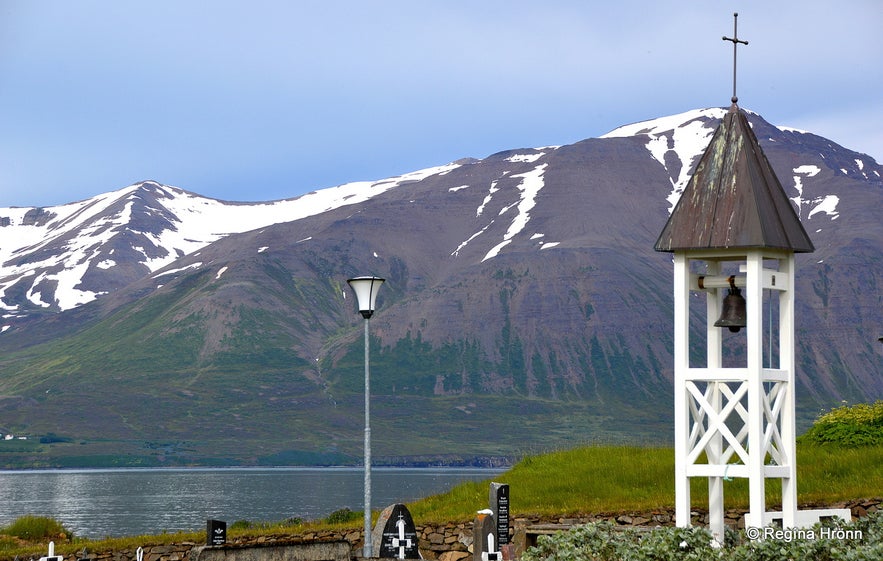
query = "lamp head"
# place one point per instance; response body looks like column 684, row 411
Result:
column 366, row 293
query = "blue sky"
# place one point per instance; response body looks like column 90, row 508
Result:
column 263, row 100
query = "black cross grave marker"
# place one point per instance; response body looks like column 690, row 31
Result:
column 395, row 536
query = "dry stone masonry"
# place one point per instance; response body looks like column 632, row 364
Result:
column 439, row 542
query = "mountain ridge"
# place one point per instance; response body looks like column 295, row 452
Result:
column 522, row 291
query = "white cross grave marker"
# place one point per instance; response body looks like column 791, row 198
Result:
column 401, row 542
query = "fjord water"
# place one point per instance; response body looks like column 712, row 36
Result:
column 99, row 503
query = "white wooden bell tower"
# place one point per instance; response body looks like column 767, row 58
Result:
column 733, row 403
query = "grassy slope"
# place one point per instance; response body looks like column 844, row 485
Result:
column 156, row 383
column 616, row 478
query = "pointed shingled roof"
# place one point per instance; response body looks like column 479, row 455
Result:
column 734, row 199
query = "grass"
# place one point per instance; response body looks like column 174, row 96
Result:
column 594, row 479
column 601, row 479
column 31, row 528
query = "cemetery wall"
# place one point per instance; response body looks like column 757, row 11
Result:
column 442, row 542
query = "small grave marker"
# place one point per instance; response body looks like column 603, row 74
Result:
column 50, row 556
column 484, row 540
column 498, row 501
column 395, row 535
column 215, row 532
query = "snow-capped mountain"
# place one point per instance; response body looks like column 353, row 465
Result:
column 58, row 258
column 522, row 290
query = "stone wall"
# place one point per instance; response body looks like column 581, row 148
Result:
column 309, row 551
column 441, row 542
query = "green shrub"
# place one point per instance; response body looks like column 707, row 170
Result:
column 861, row 540
column 849, row 425
column 244, row 525
column 34, row 528
column 603, row 541
column 342, row 516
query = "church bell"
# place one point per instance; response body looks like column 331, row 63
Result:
column 733, row 314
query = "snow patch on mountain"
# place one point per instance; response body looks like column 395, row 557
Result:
column 456, row 252
column 490, row 195
column 785, row 128
column 196, row 265
column 827, row 203
column 684, row 136
column 527, row 158
column 531, row 184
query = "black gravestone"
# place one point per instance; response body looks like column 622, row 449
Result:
column 395, row 536
column 215, row 532
column 499, row 504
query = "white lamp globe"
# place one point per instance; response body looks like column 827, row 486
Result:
column 366, row 289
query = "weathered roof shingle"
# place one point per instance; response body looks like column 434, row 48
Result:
column 734, row 199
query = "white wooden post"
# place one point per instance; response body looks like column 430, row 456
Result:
column 681, row 364
column 715, row 445
column 786, row 364
column 754, row 365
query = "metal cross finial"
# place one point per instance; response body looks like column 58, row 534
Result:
column 735, row 39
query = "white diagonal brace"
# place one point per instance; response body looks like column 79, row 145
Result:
column 716, row 423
